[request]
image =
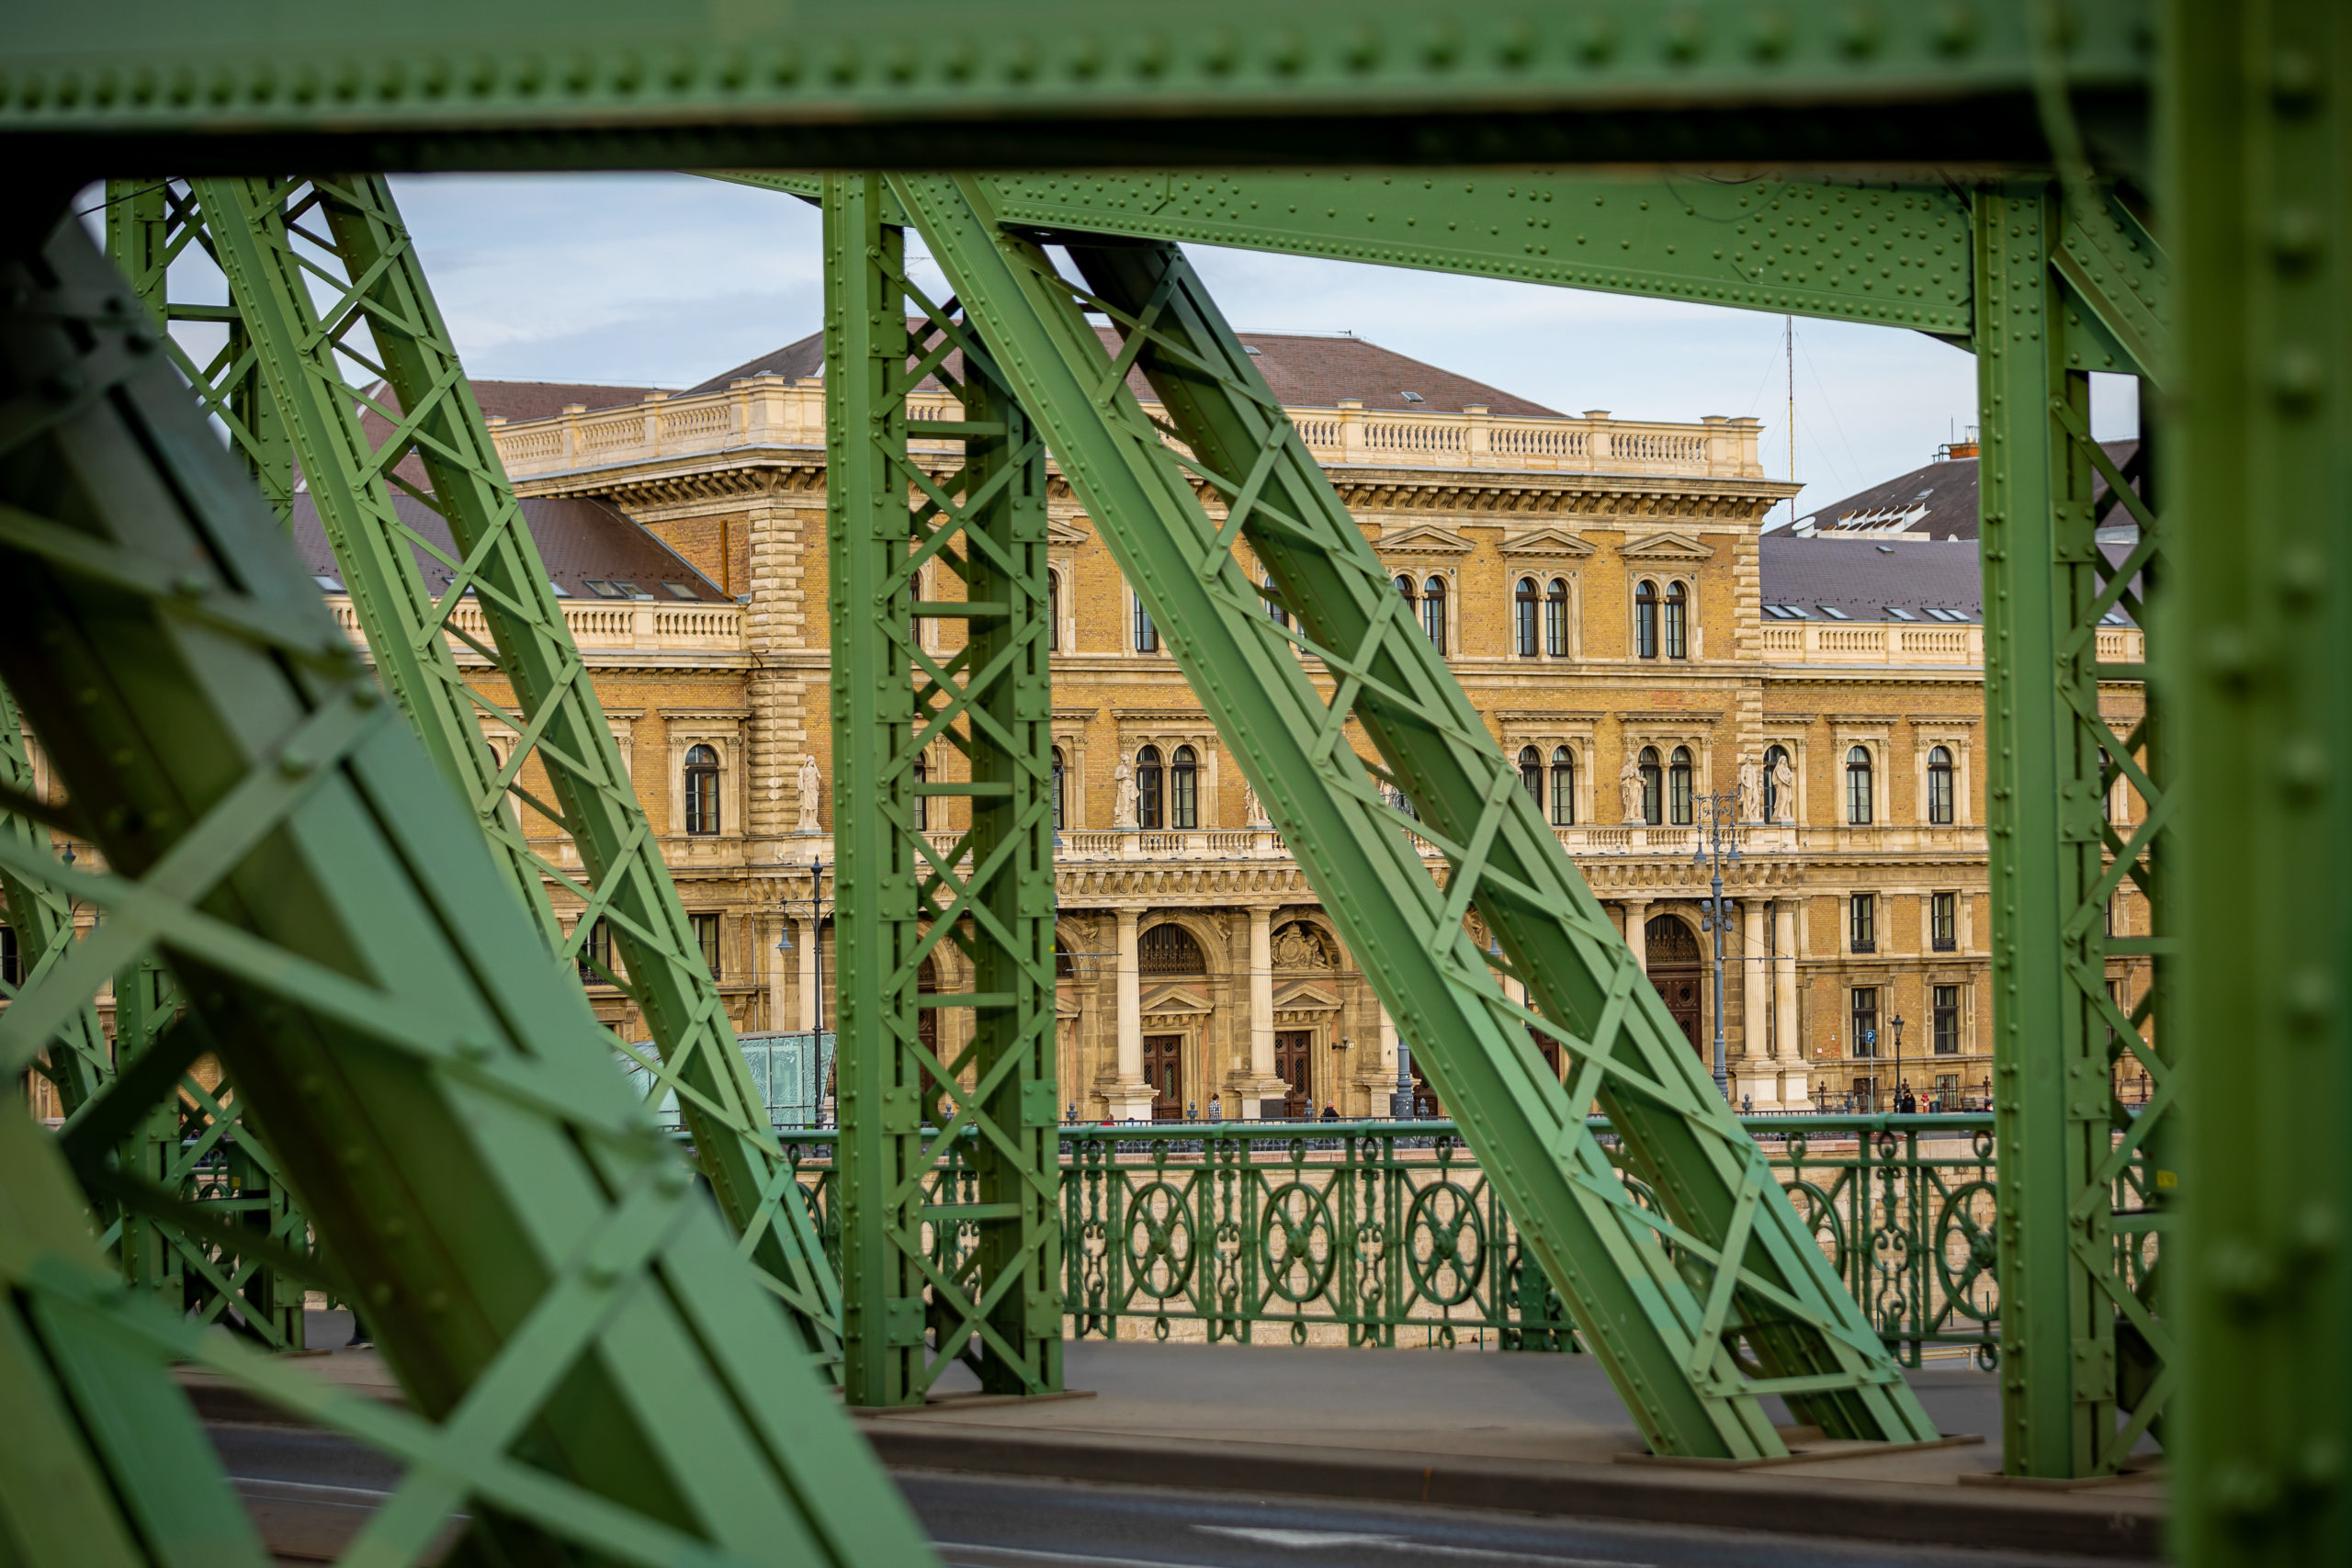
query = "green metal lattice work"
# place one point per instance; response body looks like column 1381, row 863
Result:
column 972, row 1273
column 589, row 1364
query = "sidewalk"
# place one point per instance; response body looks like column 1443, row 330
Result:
column 1522, row 1433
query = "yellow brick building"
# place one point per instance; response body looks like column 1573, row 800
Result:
column 1599, row 585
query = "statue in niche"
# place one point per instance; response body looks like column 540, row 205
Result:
column 1300, row 946
column 1123, row 809
column 1629, row 789
column 1253, row 814
column 811, row 790
column 1751, row 790
column 1784, row 788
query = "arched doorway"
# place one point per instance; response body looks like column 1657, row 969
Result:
column 1673, row 949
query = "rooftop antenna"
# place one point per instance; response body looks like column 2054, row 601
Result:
column 1789, row 352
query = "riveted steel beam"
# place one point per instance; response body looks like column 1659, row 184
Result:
column 590, row 1367
column 941, row 704
column 1745, row 1305
column 1055, row 83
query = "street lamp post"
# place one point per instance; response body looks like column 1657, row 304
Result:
column 1897, row 1022
column 1723, row 812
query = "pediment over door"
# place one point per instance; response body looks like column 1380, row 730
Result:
column 1175, row 1001
column 1305, row 995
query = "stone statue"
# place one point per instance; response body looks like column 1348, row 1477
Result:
column 1254, row 813
column 1751, row 790
column 1629, row 789
column 1123, row 810
column 1785, row 789
column 811, row 791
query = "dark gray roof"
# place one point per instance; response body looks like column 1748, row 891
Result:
column 1938, row 501
column 578, row 539
column 1862, row 579
column 1304, row 371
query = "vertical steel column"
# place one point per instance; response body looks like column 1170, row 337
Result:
column 931, row 1274
column 2257, row 157
column 2084, row 1351
column 1746, row 1305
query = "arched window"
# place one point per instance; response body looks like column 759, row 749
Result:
column 918, row 803
column 1065, row 966
column 1677, row 620
column 1653, row 787
column 1146, row 635
column 1858, row 786
column 1677, row 787
column 1184, row 789
column 1061, row 788
column 1053, row 612
column 1405, row 586
column 702, row 790
column 1526, row 609
column 1774, row 806
column 1939, row 787
column 1434, row 612
column 1645, row 620
column 1147, row 797
column 1564, row 788
column 1170, row 950
column 1530, row 774
column 1274, row 610
column 1556, row 618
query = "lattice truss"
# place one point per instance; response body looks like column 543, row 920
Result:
column 1698, row 1307
column 590, row 1364
column 959, row 1263
column 330, row 321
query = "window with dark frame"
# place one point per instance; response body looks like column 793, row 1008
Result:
column 1527, row 604
column 1183, row 790
column 1858, row 786
column 1861, row 922
column 1645, row 620
column 1653, row 779
column 1944, row 1015
column 1148, row 815
column 1061, row 788
column 1146, row 635
column 1943, row 921
column 1678, row 786
column 1677, row 620
column 1434, row 612
column 1530, row 774
column 1274, row 611
column 1774, row 806
column 706, row 938
column 918, row 803
column 1564, row 787
column 11, row 961
column 595, row 949
column 702, row 790
column 1170, row 949
column 1864, row 1022
column 1556, row 618
column 1053, row 612
column 1939, row 801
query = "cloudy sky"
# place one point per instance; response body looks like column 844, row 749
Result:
column 665, row 279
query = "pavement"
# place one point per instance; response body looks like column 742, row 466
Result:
column 1511, row 1433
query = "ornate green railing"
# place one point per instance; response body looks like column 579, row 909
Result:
column 1386, row 1233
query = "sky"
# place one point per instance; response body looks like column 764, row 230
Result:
column 663, row 280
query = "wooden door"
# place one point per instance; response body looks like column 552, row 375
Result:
column 1673, row 963
column 1295, row 1064
column 1163, row 1070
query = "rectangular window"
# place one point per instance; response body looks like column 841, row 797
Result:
column 706, row 938
column 1861, row 922
column 597, row 948
column 1947, row 1020
column 1947, row 1091
column 1943, row 921
column 1146, row 635
column 1865, row 1020
column 11, row 963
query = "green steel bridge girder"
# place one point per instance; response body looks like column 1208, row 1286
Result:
column 590, row 1366
column 276, row 243
column 1063, row 84
column 1882, row 253
column 1756, row 1279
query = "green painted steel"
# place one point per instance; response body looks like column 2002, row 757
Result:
column 276, row 242
column 77, row 1060
column 956, row 545
column 591, row 1365
column 1668, row 1338
column 2085, row 1353
column 1883, row 251
column 2259, row 156
column 1059, row 84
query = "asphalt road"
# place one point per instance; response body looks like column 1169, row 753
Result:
column 311, row 1490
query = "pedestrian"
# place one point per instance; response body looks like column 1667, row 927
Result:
column 1330, row 1112
column 1216, row 1109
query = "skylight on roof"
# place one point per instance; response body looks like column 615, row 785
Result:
column 629, row 589
column 601, row 589
column 329, row 583
column 558, row 589
column 1413, row 397
column 1834, row 614
column 1247, row 349
column 1898, row 613
column 678, row 590
column 2114, row 618
column 1788, row 612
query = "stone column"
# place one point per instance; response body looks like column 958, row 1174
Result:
column 1796, row 1083
column 1130, row 1097
column 1259, row 1084
column 809, row 972
column 1753, row 1074
column 1637, row 914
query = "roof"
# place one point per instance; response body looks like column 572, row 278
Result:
column 544, row 399
column 1304, row 371
column 1938, row 501
column 1862, row 578
column 578, row 537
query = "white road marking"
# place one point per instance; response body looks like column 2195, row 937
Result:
column 1314, row 1540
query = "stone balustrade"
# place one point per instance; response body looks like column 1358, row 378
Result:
column 1898, row 642
column 630, row 624
column 770, row 411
